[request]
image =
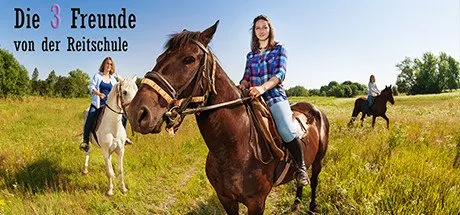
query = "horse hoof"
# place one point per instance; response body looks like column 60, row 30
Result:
column 295, row 205
column 312, row 207
column 85, row 171
column 110, row 193
column 124, row 190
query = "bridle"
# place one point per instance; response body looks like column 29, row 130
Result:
column 120, row 101
column 178, row 106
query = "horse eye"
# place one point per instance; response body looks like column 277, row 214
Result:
column 125, row 92
column 189, row 60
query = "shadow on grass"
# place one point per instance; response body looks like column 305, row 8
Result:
column 210, row 206
column 456, row 163
column 39, row 176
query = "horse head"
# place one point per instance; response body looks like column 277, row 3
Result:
column 126, row 89
column 388, row 93
column 182, row 72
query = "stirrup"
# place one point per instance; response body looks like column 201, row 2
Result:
column 302, row 181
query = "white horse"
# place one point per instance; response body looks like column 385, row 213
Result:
column 111, row 134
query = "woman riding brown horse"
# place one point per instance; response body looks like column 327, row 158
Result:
column 379, row 107
column 187, row 75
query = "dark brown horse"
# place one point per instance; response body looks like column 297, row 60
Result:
column 379, row 108
column 187, row 76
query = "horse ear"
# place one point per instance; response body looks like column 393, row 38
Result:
column 134, row 78
column 120, row 78
column 206, row 35
column 390, row 86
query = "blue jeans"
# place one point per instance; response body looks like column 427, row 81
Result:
column 92, row 113
column 90, row 120
column 370, row 100
column 282, row 114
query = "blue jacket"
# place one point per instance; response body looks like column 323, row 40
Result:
column 94, row 84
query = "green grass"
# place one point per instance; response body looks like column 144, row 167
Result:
column 412, row 168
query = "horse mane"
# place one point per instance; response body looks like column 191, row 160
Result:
column 177, row 40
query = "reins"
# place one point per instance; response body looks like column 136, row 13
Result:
column 178, row 107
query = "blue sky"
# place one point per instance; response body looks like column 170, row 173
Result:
column 325, row 40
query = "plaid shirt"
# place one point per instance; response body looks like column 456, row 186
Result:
column 260, row 68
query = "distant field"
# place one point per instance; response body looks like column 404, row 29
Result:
column 413, row 168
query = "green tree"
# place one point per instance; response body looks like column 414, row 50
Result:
column 427, row 80
column 314, row 92
column 14, row 78
column 453, row 77
column 443, row 71
column 297, row 91
column 62, row 88
column 78, row 84
column 34, row 83
column 406, row 79
column 347, row 91
column 337, row 91
column 50, row 82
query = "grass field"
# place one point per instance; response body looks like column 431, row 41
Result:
column 412, row 168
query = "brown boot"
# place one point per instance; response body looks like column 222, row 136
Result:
column 295, row 147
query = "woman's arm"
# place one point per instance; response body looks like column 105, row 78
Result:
column 92, row 87
column 244, row 83
column 259, row 90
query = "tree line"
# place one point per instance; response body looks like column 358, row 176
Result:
column 430, row 74
column 347, row 89
column 14, row 81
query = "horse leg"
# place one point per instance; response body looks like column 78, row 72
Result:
column 316, row 169
column 256, row 206
column 350, row 123
column 353, row 116
column 373, row 120
column 231, row 206
column 363, row 115
column 120, row 169
column 298, row 198
column 388, row 120
column 109, row 170
column 85, row 168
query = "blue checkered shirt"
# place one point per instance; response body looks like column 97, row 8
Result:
column 260, row 68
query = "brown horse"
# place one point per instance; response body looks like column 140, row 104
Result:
column 379, row 108
column 186, row 76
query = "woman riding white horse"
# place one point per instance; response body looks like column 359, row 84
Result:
column 110, row 133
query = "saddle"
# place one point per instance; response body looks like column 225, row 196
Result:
column 272, row 142
column 265, row 125
column 97, row 122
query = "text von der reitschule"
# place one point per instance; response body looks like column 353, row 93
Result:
column 26, row 19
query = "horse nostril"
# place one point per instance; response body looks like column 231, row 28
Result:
column 143, row 114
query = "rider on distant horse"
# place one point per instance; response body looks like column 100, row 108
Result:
column 373, row 91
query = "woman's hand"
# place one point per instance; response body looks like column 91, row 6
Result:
column 101, row 95
column 257, row 91
column 243, row 85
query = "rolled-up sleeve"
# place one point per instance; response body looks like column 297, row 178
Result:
column 280, row 64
